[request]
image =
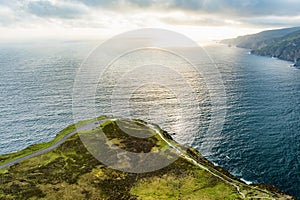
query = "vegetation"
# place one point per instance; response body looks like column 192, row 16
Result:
column 288, row 48
column 262, row 39
column 282, row 43
column 71, row 172
column 37, row 147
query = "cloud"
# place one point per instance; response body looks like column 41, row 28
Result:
column 97, row 3
column 241, row 7
column 188, row 4
column 272, row 21
column 195, row 20
column 56, row 10
column 122, row 15
column 7, row 16
column 228, row 7
column 12, row 12
column 119, row 3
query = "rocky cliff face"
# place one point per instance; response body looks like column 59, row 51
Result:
column 283, row 43
column 288, row 48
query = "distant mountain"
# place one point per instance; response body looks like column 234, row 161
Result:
column 280, row 43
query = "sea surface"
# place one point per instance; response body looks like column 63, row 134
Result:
column 259, row 140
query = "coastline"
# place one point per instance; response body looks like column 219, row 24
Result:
column 189, row 153
column 252, row 52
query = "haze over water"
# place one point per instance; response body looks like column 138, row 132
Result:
column 260, row 141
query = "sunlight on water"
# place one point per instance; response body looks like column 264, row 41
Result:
column 260, row 138
column 161, row 93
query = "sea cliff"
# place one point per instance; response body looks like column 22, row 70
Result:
column 280, row 43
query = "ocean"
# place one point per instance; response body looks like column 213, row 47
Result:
column 259, row 140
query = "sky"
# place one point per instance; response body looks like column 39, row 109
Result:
column 202, row 20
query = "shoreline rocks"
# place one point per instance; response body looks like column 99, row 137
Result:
column 297, row 63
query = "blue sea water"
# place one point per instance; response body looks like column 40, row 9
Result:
column 36, row 82
column 260, row 140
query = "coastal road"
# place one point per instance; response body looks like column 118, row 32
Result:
column 216, row 174
column 88, row 126
column 94, row 124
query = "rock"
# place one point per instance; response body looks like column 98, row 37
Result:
column 297, row 63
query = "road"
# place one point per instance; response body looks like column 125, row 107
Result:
column 94, row 124
column 231, row 182
column 50, row 148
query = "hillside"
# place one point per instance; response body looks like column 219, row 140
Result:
column 71, row 172
column 287, row 48
column 282, row 43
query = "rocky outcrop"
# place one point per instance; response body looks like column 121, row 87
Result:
column 297, row 63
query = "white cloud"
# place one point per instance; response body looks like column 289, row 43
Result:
column 105, row 17
column 56, row 9
column 7, row 16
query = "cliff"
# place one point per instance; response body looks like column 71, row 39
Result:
column 282, row 43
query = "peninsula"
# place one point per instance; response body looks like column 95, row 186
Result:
column 65, row 169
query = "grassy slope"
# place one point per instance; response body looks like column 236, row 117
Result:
column 37, row 147
column 71, row 172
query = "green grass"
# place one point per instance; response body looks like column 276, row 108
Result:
column 198, row 184
column 71, row 172
column 37, row 147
